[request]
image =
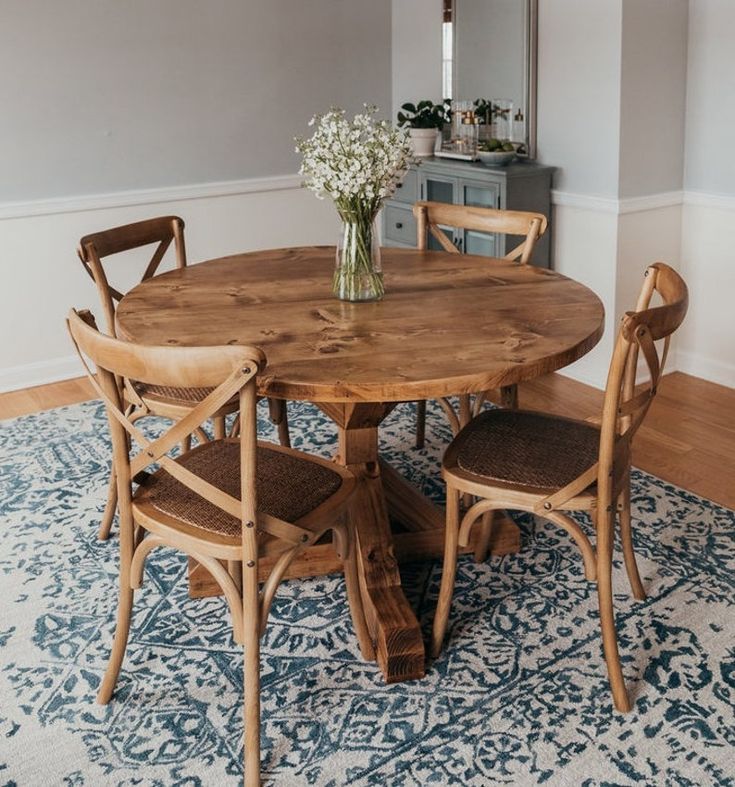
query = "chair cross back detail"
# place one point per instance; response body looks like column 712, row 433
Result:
column 226, row 370
column 430, row 215
column 95, row 247
column 625, row 404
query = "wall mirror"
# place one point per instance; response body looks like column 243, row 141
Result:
column 489, row 52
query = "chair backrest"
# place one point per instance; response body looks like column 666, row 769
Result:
column 431, row 215
column 92, row 249
column 626, row 404
column 228, row 370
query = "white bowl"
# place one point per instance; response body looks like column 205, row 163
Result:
column 498, row 158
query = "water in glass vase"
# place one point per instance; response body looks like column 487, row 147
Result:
column 358, row 275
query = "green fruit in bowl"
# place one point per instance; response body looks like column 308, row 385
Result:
column 491, row 145
column 508, row 147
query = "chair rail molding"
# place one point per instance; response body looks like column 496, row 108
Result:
column 123, row 199
column 618, row 207
column 666, row 199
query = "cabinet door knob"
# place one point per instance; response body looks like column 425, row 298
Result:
column 399, row 225
column 399, row 186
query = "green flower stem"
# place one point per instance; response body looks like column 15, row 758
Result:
column 355, row 277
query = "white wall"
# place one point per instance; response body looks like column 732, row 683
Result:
column 656, row 87
column 706, row 346
column 707, row 341
column 117, row 111
column 578, row 122
column 43, row 277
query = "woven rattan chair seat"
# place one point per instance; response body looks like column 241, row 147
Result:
column 526, row 448
column 288, row 487
column 182, row 396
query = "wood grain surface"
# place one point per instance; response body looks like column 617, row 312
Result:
column 447, row 325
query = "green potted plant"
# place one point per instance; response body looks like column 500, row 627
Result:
column 424, row 120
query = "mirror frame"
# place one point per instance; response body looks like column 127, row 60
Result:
column 530, row 72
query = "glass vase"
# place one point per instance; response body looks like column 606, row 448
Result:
column 358, row 275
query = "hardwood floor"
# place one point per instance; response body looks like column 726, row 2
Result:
column 44, row 397
column 688, row 437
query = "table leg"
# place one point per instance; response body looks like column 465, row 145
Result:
column 395, row 631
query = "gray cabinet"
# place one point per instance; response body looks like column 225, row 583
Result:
column 522, row 186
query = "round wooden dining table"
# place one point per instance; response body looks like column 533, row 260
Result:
column 448, row 324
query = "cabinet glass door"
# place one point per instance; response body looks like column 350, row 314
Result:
column 484, row 196
column 438, row 189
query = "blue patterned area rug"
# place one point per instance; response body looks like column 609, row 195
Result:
column 519, row 695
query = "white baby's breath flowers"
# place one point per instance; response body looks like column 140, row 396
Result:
column 357, row 164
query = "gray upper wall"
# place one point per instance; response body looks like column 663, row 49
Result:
column 102, row 95
column 652, row 96
column 710, row 135
column 579, row 93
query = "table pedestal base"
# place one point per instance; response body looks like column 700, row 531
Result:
column 394, row 629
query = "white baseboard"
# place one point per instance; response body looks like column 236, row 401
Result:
column 39, row 373
column 707, row 368
column 586, row 378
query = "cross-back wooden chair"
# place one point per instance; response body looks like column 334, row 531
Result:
column 430, row 218
column 227, row 503
column 145, row 400
column 550, row 465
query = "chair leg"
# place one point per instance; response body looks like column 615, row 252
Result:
column 482, row 545
column 110, row 508
column 509, row 396
column 346, row 546
column 127, row 538
column 251, row 677
column 278, row 413
column 420, row 423
column 465, row 416
column 626, row 536
column 219, row 427
column 284, row 436
column 186, row 444
column 605, row 522
column 122, row 629
column 449, row 570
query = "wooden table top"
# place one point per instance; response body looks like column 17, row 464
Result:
column 448, row 324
